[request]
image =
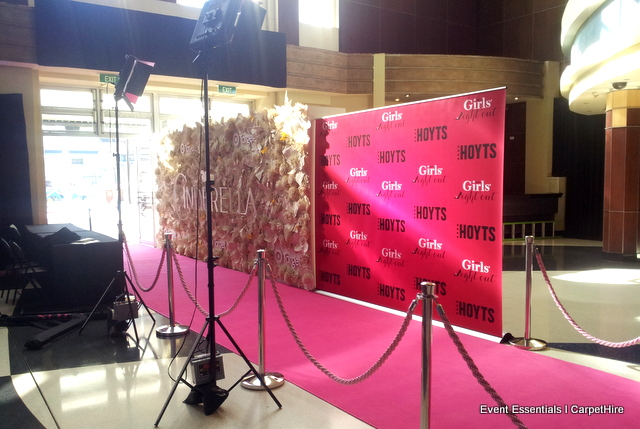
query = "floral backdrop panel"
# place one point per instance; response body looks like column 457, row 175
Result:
column 260, row 193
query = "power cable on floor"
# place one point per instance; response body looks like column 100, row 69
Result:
column 24, row 359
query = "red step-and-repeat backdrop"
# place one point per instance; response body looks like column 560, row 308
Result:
column 413, row 193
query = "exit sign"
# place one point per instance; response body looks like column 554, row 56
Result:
column 230, row 90
column 109, row 78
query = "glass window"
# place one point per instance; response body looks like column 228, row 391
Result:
column 81, row 166
column 318, row 13
column 67, row 99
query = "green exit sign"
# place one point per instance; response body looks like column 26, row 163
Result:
column 109, row 78
column 230, row 90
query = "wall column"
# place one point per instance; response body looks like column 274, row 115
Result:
column 621, row 217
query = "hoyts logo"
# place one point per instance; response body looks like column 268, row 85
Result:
column 427, row 134
column 477, row 151
column 329, row 277
column 358, row 271
column 359, row 209
column 391, row 292
column 440, row 289
column 363, row 140
column 329, row 219
column 430, row 213
column 473, row 311
column 328, row 160
column 391, row 225
column 476, row 232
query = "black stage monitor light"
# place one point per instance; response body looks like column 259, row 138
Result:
column 132, row 80
column 217, row 23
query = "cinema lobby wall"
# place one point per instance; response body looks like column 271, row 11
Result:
column 389, row 52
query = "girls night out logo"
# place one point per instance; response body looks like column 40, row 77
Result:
column 474, row 109
column 390, row 189
column 473, row 191
column 472, row 271
column 430, row 174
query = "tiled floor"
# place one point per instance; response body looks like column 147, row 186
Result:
column 119, row 384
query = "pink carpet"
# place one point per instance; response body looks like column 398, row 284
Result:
column 348, row 338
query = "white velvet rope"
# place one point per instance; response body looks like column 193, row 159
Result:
column 570, row 319
column 133, row 268
column 347, row 381
column 195, row 300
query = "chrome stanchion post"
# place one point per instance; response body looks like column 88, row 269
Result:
column 427, row 316
column 527, row 342
column 271, row 379
column 170, row 330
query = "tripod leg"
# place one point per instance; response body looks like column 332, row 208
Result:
column 248, row 362
column 133, row 320
column 137, row 294
column 182, row 371
column 99, row 302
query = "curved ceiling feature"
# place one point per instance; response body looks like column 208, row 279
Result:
column 603, row 41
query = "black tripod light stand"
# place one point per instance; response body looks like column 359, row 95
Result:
column 131, row 83
column 214, row 29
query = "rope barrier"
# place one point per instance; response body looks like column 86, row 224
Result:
column 385, row 355
column 570, row 319
column 322, row 368
column 474, row 369
column 195, row 300
column 133, row 268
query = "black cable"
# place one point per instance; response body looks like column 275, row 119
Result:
column 24, row 359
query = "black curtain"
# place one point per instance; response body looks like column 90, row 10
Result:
column 15, row 184
column 578, row 155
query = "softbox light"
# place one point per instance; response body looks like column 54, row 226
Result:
column 132, row 80
column 217, row 23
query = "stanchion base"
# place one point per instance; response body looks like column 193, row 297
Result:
column 272, row 380
column 531, row 344
column 169, row 331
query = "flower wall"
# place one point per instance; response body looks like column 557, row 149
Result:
column 260, row 193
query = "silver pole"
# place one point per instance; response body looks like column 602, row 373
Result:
column 262, row 272
column 427, row 316
column 527, row 342
column 170, row 330
column 528, row 270
column 271, row 379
